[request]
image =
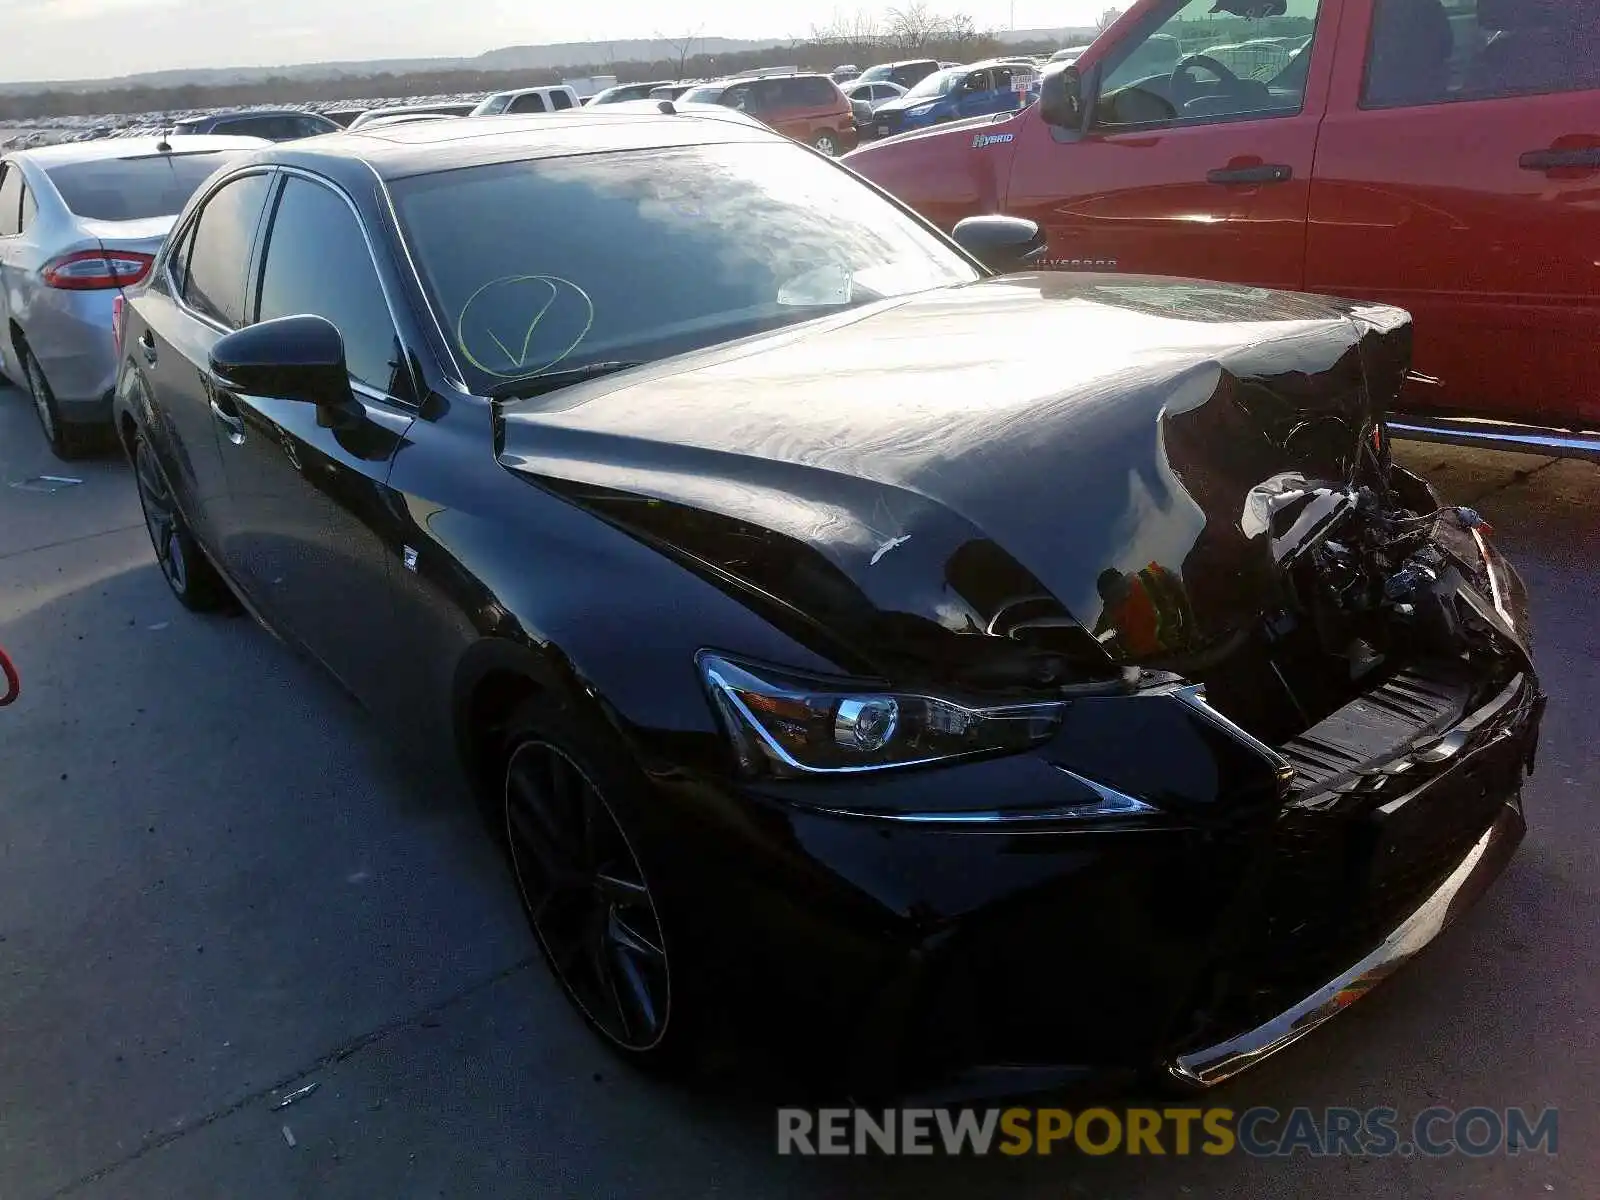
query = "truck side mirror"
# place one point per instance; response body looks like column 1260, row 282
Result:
column 1061, row 97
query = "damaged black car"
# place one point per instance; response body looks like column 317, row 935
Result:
column 950, row 677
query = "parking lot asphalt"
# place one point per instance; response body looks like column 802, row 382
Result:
column 218, row 884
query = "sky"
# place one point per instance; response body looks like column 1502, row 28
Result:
column 93, row 39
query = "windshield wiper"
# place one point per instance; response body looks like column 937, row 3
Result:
column 550, row 381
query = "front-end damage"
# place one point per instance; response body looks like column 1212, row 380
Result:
column 1313, row 675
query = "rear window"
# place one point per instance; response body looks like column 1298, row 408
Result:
column 702, row 95
column 812, row 90
column 132, row 189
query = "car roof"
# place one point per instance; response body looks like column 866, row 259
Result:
column 102, row 149
column 228, row 114
column 736, row 79
column 427, row 147
column 541, row 88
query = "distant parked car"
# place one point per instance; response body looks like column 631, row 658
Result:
column 626, row 91
column 1068, row 54
column 553, row 98
column 280, row 125
column 808, row 108
column 907, row 74
column 407, row 110
column 845, row 73
column 79, row 223
column 669, row 91
column 875, row 92
column 979, row 90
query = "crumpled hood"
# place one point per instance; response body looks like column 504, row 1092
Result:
column 984, row 459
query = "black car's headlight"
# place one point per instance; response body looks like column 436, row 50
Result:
column 787, row 724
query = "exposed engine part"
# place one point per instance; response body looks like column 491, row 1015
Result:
column 1368, row 588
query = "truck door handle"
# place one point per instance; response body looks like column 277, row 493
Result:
column 1587, row 159
column 147, row 343
column 1262, row 173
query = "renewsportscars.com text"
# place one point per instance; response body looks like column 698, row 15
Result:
column 1259, row 1132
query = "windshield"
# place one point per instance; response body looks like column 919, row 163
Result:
column 703, row 95
column 559, row 263
column 937, row 84
column 133, row 189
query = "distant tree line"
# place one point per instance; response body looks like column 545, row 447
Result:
column 911, row 32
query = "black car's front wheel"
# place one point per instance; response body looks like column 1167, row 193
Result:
column 585, row 889
column 190, row 575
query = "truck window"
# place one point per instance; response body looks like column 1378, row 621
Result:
column 1423, row 52
column 1195, row 66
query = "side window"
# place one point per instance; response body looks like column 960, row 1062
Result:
column 1421, row 53
column 10, row 201
column 317, row 261
column 178, row 260
column 742, row 97
column 977, row 82
column 234, row 128
column 30, row 209
column 1198, row 67
column 307, row 127
column 219, row 257
column 530, row 103
column 559, row 100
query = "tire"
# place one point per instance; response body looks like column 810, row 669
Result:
column 827, row 142
column 571, row 824
column 185, row 567
column 68, row 442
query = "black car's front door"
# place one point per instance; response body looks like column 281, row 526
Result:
column 308, row 504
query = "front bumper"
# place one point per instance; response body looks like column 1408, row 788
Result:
column 960, row 958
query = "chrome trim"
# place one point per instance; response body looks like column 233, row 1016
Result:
column 456, row 377
column 1111, row 804
column 1216, row 1064
column 1195, row 697
column 1497, row 435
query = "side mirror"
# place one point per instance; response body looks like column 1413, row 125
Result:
column 1061, row 97
column 1003, row 244
column 291, row 358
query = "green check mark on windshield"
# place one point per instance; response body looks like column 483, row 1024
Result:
column 521, row 360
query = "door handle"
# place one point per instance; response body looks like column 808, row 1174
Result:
column 1262, row 173
column 1585, row 159
column 147, row 343
column 232, row 423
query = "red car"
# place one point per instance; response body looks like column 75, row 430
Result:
column 807, row 108
column 1445, row 159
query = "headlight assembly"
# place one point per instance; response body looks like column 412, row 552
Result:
column 783, row 724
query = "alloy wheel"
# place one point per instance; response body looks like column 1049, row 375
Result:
column 586, row 896
column 826, row 144
column 39, row 390
column 161, row 518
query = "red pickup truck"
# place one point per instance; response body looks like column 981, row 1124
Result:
column 1438, row 155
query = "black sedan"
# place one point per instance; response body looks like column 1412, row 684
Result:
column 941, row 673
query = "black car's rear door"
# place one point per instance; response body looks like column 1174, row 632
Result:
column 198, row 299
column 308, row 505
